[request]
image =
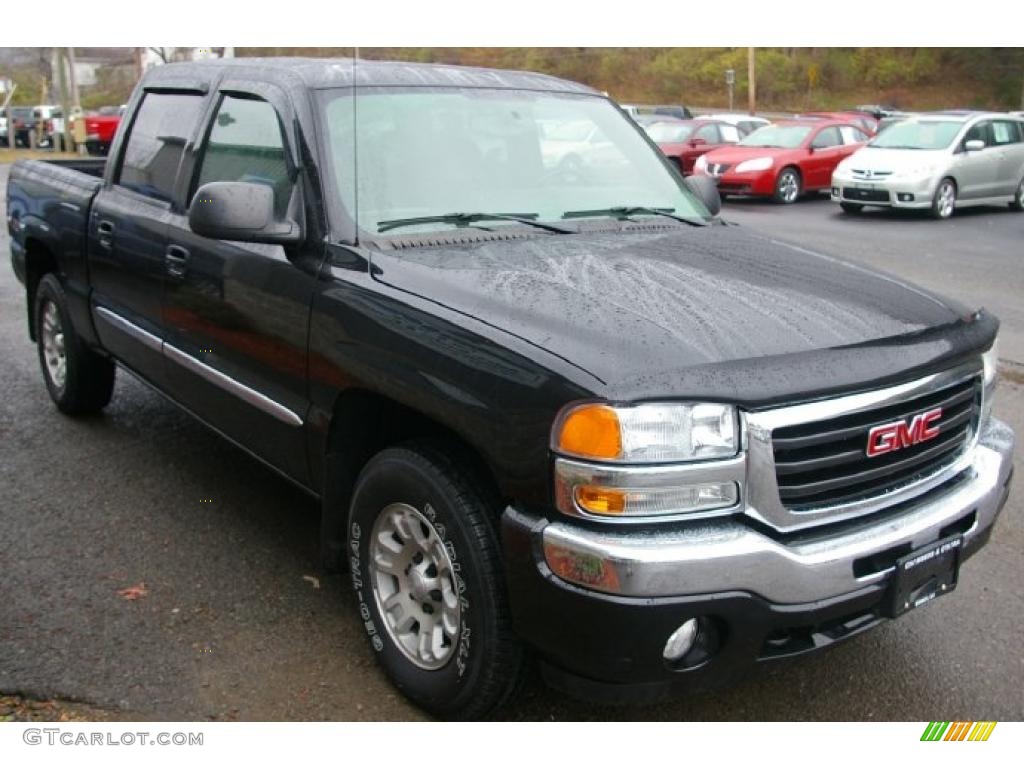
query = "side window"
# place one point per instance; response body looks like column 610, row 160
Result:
column 979, row 131
column 852, row 135
column 246, row 144
column 730, row 133
column 158, row 134
column 1005, row 132
column 709, row 133
column 827, row 137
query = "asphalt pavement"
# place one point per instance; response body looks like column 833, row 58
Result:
column 152, row 570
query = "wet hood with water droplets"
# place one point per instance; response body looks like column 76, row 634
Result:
column 645, row 312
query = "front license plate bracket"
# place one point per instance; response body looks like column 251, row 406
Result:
column 924, row 574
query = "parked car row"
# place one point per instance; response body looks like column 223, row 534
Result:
column 46, row 123
column 935, row 161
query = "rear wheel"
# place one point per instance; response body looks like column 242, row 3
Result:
column 427, row 575
column 851, row 207
column 944, row 201
column 1017, row 204
column 788, row 186
column 79, row 380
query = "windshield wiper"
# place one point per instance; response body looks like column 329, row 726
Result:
column 466, row 219
column 623, row 212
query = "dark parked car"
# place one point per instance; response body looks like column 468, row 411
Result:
column 24, row 123
column 582, row 419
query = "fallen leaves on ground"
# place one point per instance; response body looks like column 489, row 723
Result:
column 133, row 593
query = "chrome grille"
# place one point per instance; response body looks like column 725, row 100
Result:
column 825, row 463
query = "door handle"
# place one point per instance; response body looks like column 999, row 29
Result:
column 105, row 230
column 176, row 259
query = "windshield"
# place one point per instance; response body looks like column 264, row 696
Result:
column 668, row 133
column 452, row 152
column 782, row 136
column 914, row 134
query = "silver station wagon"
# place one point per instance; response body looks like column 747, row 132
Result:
column 937, row 162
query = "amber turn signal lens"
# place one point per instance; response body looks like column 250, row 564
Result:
column 592, row 431
column 601, row 501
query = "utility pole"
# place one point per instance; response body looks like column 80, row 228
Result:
column 62, row 83
column 76, row 100
column 751, row 82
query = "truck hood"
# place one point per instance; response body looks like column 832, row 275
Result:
column 894, row 160
column 642, row 307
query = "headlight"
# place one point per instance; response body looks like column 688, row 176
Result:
column 757, row 164
column 647, row 434
column 701, row 163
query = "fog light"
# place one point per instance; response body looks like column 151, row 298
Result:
column 681, row 641
column 905, row 197
column 835, row 191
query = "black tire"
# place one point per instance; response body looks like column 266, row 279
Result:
column 485, row 660
column 783, row 193
column 88, row 376
column 1017, row 204
column 940, row 210
column 851, row 207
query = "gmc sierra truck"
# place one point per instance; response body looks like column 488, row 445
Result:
column 551, row 410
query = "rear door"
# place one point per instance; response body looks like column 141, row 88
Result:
column 237, row 314
column 128, row 226
column 1007, row 140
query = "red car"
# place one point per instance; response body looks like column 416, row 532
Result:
column 783, row 160
column 100, row 128
column 685, row 140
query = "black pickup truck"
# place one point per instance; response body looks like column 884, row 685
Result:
column 550, row 402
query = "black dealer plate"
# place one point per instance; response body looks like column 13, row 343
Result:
column 925, row 574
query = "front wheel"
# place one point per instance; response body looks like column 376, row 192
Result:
column 851, row 207
column 427, row 575
column 1017, row 204
column 80, row 381
column 944, row 201
column 787, row 186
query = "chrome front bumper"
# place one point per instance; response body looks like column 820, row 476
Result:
column 730, row 555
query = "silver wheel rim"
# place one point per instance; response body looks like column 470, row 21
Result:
column 1020, row 194
column 53, row 345
column 947, row 200
column 788, row 186
column 414, row 586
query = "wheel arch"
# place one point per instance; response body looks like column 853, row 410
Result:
column 40, row 260
column 362, row 424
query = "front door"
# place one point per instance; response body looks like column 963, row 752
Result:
column 827, row 151
column 977, row 170
column 237, row 314
column 128, row 227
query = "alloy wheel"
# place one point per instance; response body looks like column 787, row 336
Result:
column 947, row 199
column 789, row 187
column 414, row 586
column 54, row 354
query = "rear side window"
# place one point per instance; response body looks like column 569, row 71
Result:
column 730, row 133
column 158, row 135
column 708, row 132
column 246, row 144
column 1005, row 132
column 852, row 135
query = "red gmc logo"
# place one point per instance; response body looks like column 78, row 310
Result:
column 898, row 435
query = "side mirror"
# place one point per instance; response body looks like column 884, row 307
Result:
column 974, row 145
column 705, row 188
column 697, row 141
column 239, row 210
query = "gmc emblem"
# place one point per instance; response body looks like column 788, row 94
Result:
column 899, row 434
